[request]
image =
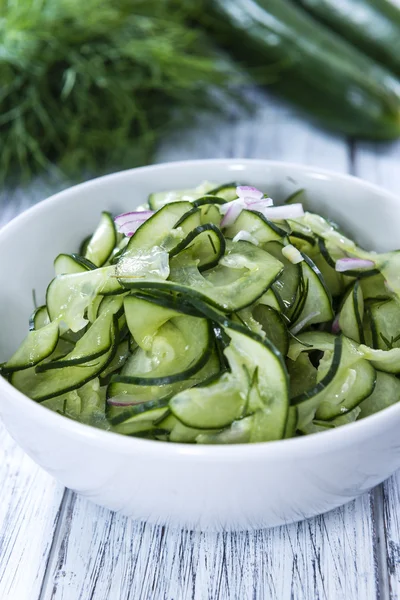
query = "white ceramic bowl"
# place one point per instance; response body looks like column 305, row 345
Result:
column 202, row 487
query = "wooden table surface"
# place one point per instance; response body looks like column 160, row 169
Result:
column 56, row 545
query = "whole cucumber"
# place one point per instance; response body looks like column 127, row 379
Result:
column 317, row 69
column 371, row 25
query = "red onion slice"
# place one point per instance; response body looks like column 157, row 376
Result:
column 128, row 223
column 233, row 211
column 349, row 264
column 248, row 191
column 335, row 325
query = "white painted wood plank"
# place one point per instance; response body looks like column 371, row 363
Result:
column 380, row 163
column 100, row 555
column 29, row 504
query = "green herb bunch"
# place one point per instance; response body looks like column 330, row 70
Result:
column 90, row 85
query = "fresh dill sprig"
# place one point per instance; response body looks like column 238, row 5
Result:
column 91, row 85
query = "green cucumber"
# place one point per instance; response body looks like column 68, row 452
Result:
column 371, row 25
column 359, row 98
column 103, row 241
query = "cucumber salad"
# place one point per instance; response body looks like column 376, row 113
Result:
column 212, row 316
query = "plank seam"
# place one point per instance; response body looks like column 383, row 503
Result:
column 380, row 543
column 54, row 543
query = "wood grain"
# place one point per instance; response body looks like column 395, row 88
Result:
column 101, row 555
column 381, row 164
column 29, row 509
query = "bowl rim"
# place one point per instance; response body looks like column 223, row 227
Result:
column 308, row 444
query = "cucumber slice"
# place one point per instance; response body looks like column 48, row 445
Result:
column 37, row 346
column 145, row 418
column 120, row 358
column 273, row 326
column 257, row 225
column 147, row 253
column 160, row 199
column 242, row 276
column 65, row 264
column 130, row 397
column 286, row 286
column 344, row 379
column 181, row 347
column 383, row 360
column 39, row 318
column 270, row 299
column 352, row 314
column 386, row 393
column 211, row 407
column 318, row 300
column 257, row 383
column 190, row 220
column 385, row 318
column 227, row 191
column 374, row 287
column 210, row 214
column 291, row 424
column 42, row 386
column 103, row 241
column 145, row 318
column 205, row 245
column 68, row 296
column 94, row 343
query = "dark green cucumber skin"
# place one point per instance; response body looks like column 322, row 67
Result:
column 373, row 26
column 312, row 66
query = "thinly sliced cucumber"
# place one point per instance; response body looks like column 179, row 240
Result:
column 270, row 299
column 291, row 424
column 383, row 360
column 159, row 199
column 352, row 314
column 318, row 301
column 181, row 347
column 143, row 420
column 211, row 407
column 120, row 358
column 147, row 253
column 355, row 384
column 227, row 191
column 256, row 225
column 145, row 318
column 210, row 214
column 274, row 327
column 344, row 379
column 129, row 397
column 65, row 264
column 190, row 220
column 386, row 393
column 309, row 341
column 386, row 324
column 42, row 386
column 68, row 296
column 239, row 432
column 302, row 375
column 37, row 346
column 257, row 383
column 374, row 287
column 39, row 318
column 205, row 245
column 103, row 241
column 242, row 276
column 319, row 426
column 96, row 341
column 288, row 282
